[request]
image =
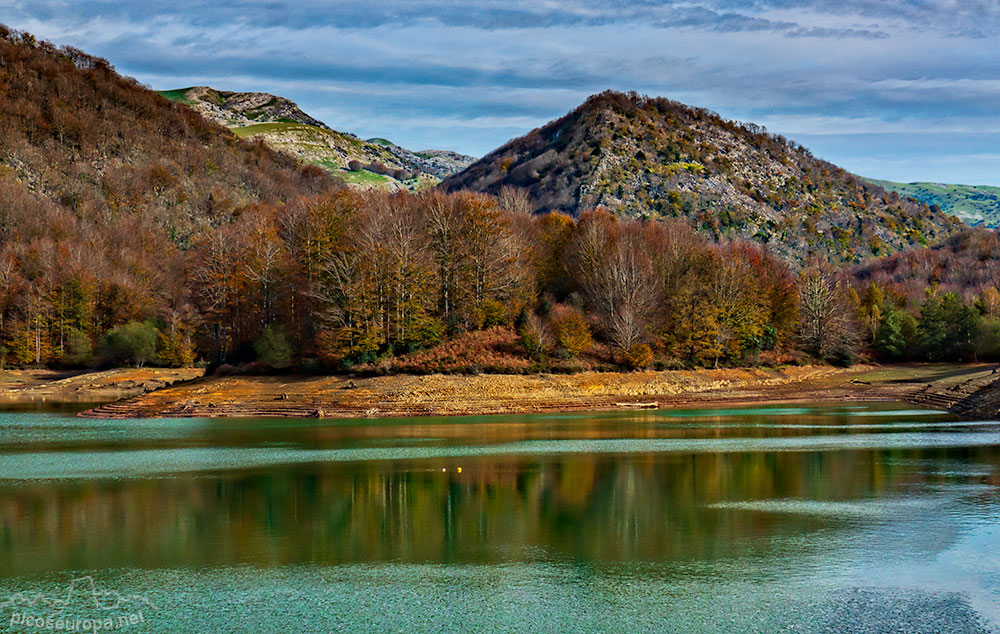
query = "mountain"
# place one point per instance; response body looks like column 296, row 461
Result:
column 82, row 146
column 282, row 125
column 653, row 157
column 975, row 204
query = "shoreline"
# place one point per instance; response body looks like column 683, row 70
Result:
column 949, row 387
column 966, row 390
column 27, row 387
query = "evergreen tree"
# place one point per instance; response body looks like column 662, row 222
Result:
column 931, row 328
column 889, row 340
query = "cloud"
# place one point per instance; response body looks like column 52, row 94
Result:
column 962, row 17
column 958, row 18
column 470, row 75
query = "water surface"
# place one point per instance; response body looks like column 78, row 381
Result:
column 824, row 518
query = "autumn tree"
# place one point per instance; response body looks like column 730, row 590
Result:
column 221, row 287
column 570, row 331
column 496, row 263
column 739, row 304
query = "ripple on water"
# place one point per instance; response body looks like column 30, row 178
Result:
column 122, row 464
column 853, row 509
column 522, row 597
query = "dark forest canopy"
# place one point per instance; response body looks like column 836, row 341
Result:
column 966, row 264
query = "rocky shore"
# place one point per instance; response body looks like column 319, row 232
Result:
column 50, row 386
column 970, row 391
column 437, row 395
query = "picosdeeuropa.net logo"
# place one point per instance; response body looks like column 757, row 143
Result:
column 83, row 608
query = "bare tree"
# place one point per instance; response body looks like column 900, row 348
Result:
column 263, row 265
column 515, row 200
column 217, row 277
column 443, row 221
column 613, row 268
column 826, row 327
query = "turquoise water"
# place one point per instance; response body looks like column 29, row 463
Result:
column 826, row 518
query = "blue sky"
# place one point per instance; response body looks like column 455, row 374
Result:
column 904, row 90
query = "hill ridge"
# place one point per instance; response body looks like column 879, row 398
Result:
column 652, row 157
column 284, row 126
column 237, row 109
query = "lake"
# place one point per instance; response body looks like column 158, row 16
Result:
column 856, row 517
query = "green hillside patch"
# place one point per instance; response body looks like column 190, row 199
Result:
column 673, row 168
column 282, row 126
column 176, row 95
column 363, row 177
column 306, row 134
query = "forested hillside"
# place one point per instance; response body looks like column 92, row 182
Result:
column 967, row 264
column 937, row 303
column 104, row 185
column 654, row 158
column 136, row 232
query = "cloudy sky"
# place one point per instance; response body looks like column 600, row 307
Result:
column 899, row 89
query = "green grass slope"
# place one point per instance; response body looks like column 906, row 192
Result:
column 333, row 150
column 177, row 95
column 975, row 204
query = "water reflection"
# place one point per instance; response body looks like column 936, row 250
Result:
column 576, row 506
column 834, row 518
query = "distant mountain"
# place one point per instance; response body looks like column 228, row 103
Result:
column 975, row 204
column 282, row 125
column 646, row 157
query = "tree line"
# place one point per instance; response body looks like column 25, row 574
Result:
column 942, row 326
column 346, row 278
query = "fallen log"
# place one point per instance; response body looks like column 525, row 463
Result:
column 651, row 405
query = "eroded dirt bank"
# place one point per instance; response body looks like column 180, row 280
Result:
column 406, row 395
column 32, row 386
